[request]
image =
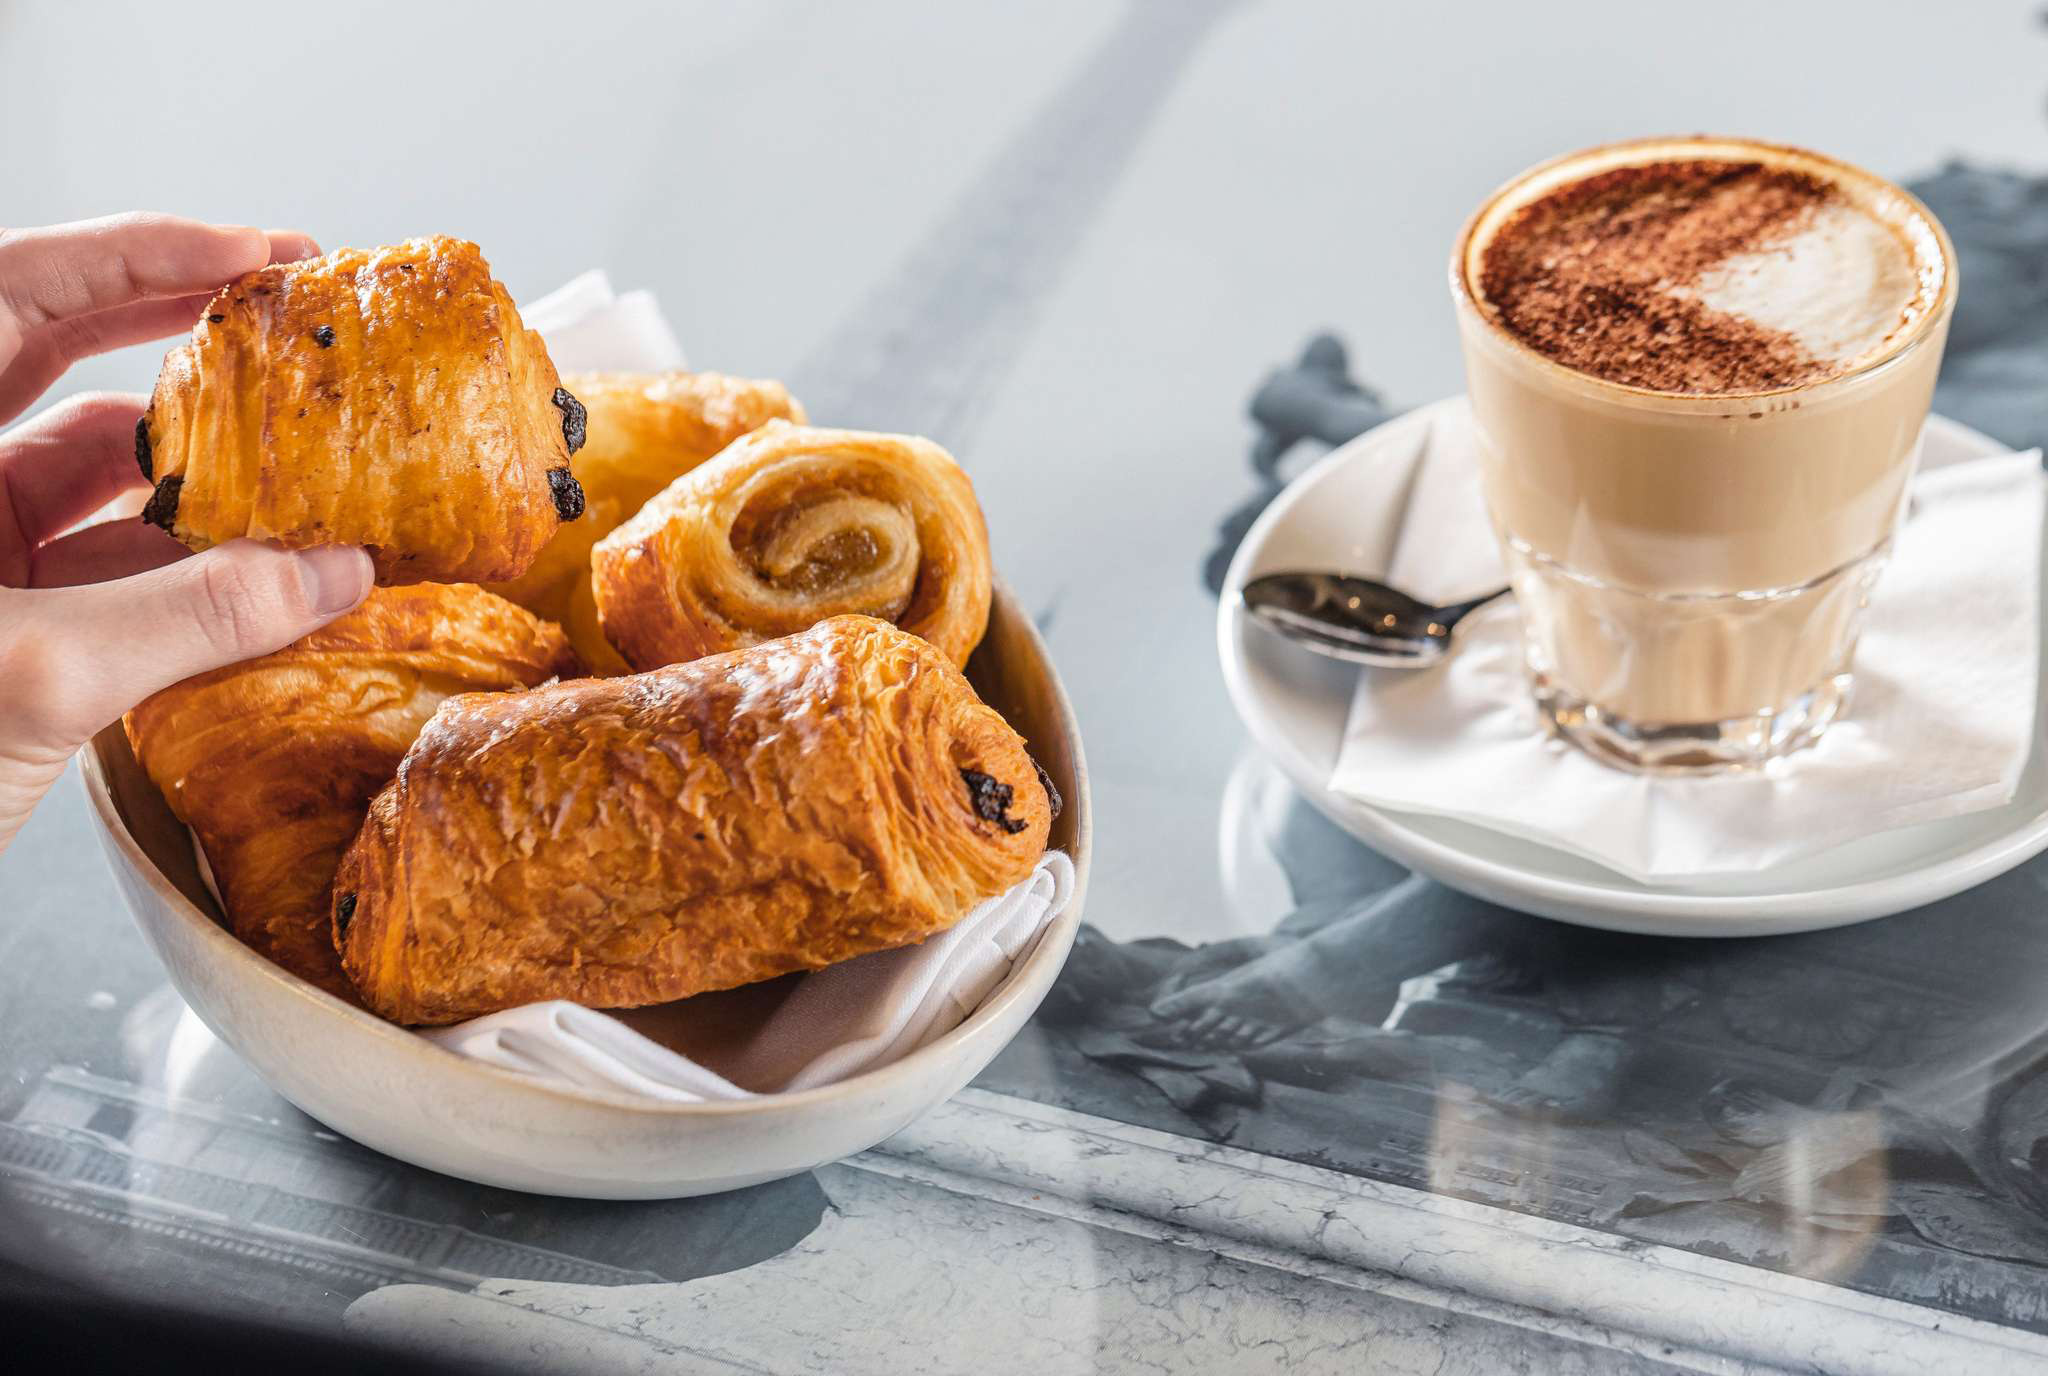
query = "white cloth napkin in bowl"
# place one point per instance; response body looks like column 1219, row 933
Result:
column 838, row 1022
column 1941, row 724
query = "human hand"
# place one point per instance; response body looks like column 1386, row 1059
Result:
column 94, row 620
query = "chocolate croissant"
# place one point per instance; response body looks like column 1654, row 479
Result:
column 273, row 762
column 787, row 527
column 390, row 398
column 627, row 841
column 646, row 430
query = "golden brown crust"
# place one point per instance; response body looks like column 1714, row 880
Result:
column 791, row 525
column 389, row 398
column 627, row 841
column 273, row 762
column 646, row 430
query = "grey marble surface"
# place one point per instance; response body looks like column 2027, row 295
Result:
column 1068, row 241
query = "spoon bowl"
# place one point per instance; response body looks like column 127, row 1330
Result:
column 1358, row 620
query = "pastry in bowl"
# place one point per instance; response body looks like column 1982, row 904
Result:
column 626, row 841
column 645, row 430
column 389, row 398
column 273, row 762
column 791, row 525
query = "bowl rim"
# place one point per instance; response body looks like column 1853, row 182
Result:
column 1042, row 965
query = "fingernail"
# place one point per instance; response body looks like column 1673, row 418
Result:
column 291, row 245
column 337, row 577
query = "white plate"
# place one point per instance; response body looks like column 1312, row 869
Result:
column 1343, row 514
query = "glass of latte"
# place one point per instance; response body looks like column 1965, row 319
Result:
column 1699, row 368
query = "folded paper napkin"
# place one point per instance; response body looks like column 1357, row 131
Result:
column 590, row 328
column 1941, row 724
column 856, row 1016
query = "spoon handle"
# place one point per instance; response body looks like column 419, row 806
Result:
column 1450, row 616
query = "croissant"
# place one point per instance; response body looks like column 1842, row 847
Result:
column 273, row 762
column 791, row 525
column 626, row 841
column 645, row 431
column 390, row 398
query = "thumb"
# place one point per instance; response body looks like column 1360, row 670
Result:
column 90, row 653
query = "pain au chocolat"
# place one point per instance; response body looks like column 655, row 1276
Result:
column 645, row 431
column 273, row 762
column 634, row 840
column 791, row 525
column 389, row 398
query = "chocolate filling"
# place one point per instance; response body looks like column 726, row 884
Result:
column 323, row 335
column 574, row 419
column 142, row 459
column 344, row 913
column 162, row 508
column 991, row 799
column 568, row 493
column 216, row 319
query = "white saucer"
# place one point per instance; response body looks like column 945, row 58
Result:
column 1343, row 514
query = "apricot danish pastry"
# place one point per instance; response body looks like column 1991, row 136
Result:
column 791, row 525
column 646, row 430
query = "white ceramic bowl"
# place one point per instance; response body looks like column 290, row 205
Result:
column 397, row 1092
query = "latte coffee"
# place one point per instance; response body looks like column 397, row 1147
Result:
column 1699, row 369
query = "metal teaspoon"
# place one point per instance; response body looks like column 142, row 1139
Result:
column 1357, row 619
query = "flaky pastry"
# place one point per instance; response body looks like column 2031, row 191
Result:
column 627, row 841
column 645, row 431
column 273, row 762
column 389, row 398
column 791, row 525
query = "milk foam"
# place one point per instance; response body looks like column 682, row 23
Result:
column 1839, row 282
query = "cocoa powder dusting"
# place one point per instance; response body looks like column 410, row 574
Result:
column 1586, row 275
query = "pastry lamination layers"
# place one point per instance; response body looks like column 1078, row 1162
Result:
column 645, row 430
column 791, row 525
column 273, row 762
column 390, row 398
column 627, row 841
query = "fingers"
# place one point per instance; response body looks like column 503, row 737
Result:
column 77, row 657
column 101, row 553
column 45, row 353
column 291, row 245
column 62, row 271
column 62, row 466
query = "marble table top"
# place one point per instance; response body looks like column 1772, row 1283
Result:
column 1290, row 1107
